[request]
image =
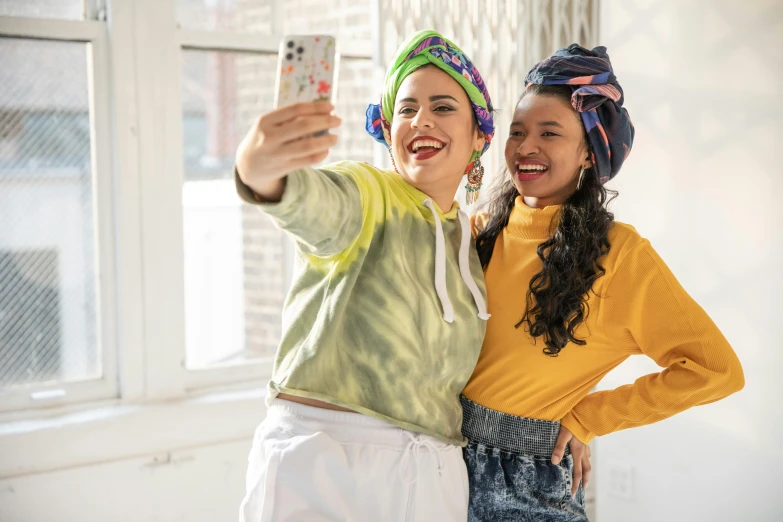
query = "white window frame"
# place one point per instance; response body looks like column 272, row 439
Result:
column 140, row 143
column 136, row 107
column 258, row 369
column 94, row 33
column 255, row 370
column 141, row 228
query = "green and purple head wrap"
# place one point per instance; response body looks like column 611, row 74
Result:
column 425, row 48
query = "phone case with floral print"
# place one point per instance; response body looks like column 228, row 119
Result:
column 307, row 69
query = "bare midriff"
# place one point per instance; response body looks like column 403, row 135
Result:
column 312, row 402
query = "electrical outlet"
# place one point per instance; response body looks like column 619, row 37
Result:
column 621, row 478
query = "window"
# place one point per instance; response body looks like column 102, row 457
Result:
column 47, row 273
column 51, row 180
column 234, row 277
column 128, row 267
column 236, row 262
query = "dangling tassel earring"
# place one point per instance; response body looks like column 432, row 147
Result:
column 473, row 186
column 391, row 156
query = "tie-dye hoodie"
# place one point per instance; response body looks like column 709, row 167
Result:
column 386, row 313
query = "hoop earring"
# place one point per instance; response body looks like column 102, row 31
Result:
column 473, row 186
column 581, row 179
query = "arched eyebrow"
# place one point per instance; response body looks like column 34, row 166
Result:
column 551, row 123
column 435, row 98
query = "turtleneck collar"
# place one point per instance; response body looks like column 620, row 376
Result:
column 531, row 223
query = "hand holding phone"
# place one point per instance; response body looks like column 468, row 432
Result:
column 294, row 135
column 283, row 141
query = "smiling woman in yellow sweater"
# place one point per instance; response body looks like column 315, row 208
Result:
column 572, row 294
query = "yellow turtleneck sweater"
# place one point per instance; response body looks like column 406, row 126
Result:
column 642, row 310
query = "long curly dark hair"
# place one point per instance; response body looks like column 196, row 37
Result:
column 556, row 301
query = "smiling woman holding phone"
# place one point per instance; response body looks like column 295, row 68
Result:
column 387, row 310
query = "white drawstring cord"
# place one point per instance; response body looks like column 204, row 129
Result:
column 464, row 266
column 412, row 451
column 440, row 266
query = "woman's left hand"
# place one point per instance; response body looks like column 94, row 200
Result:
column 581, row 454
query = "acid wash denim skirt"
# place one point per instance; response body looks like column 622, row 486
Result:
column 510, row 470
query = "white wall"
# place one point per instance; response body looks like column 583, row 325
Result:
column 702, row 81
column 203, row 484
column 181, row 460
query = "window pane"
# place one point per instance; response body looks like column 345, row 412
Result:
column 348, row 20
column 64, row 9
column 235, row 272
column 354, row 93
column 226, row 15
column 48, row 318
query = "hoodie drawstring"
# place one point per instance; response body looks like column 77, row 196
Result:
column 440, row 266
column 464, row 266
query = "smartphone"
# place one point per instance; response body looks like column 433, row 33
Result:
column 307, row 69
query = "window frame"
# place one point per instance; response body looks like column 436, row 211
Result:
column 94, row 35
column 259, row 369
column 256, row 370
column 136, row 108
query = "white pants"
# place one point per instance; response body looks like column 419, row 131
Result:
column 310, row 464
